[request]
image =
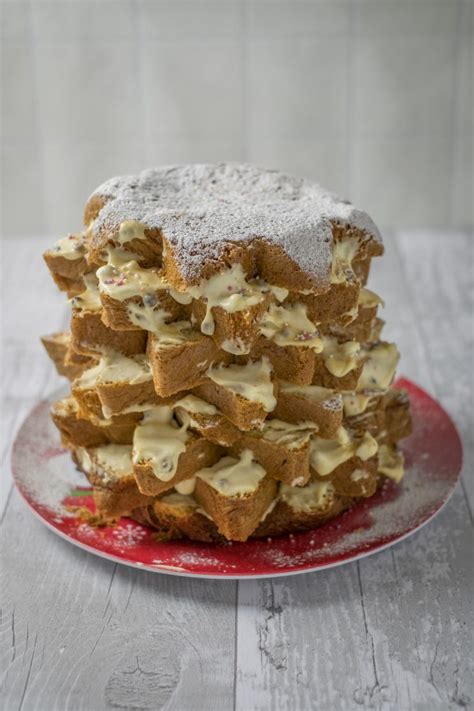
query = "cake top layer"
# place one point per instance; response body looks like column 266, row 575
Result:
column 202, row 208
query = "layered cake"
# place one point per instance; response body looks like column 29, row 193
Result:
column 228, row 378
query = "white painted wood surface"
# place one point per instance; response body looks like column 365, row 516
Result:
column 392, row 631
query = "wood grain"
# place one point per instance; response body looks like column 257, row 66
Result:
column 80, row 632
column 393, row 640
column 446, row 331
column 26, row 374
column 389, row 632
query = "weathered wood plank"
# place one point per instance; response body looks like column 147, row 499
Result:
column 398, row 638
column 27, row 376
column 389, row 632
column 81, row 633
column 301, row 641
column 419, row 614
column 26, row 373
column 417, row 608
column 439, row 281
column 33, row 304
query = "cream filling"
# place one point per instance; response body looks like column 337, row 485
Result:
column 316, row 393
column 359, row 475
column 287, row 434
column 71, row 247
column 116, row 457
column 251, row 381
column 234, row 477
column 194, row 404
column 270, row 508
column 181, row 297
column 344, row 253
column 89, row 299
column 184, row 418
column 149, row 318
column 313, row 496
column 67, row 404
column 368, row 299
column 367, row 448
column 116, row 368
column 203, row 512
column 127, row 410
column 391, row 463
column 327, row 454
column 279, row 292
column 101, row 421
column 84, row 459
column 129, row 230
column 122, row 278
column 158, row 442
column 173, row 334
column 228, row 289
column 235, row 346
column 290, row 326
column 186, row 487
column 340, row 358
column 356, row 403
column 379, row 367
column 62, row 338
column 217, row 286
column 181, row 501
column 351, row 314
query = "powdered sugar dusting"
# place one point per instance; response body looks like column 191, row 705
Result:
column 189, row 558
column 382, row 523
column 199, row 208
column 45, row 476
column 33, row 444
column 62, row 477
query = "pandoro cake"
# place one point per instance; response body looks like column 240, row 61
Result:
column 227, row 373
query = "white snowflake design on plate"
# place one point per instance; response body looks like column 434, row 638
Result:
column 128, row 536
column 86, row 531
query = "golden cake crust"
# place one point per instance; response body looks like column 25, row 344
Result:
column 211, row 216
column 227, row 375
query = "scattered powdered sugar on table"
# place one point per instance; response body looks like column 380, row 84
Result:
column 36, row 443
column 387, row 520
column 201, row 207
column 46, row 476
column 62, row 479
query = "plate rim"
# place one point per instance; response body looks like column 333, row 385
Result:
column 301, row 569
column 378, row 548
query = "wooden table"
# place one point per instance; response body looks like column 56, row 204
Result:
column 389, row 632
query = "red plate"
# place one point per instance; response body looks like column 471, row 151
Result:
column 48, row 481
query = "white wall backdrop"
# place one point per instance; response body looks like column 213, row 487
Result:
column 373, row 98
